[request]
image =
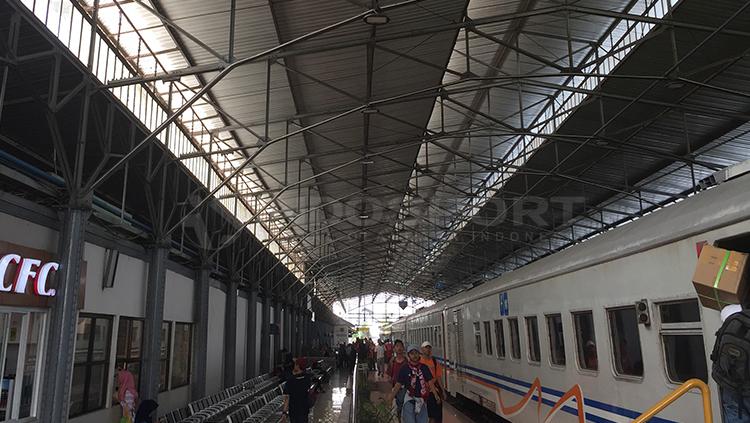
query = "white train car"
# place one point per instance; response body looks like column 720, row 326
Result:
column 567, row 326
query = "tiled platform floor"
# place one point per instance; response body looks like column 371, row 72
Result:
column 328, row 405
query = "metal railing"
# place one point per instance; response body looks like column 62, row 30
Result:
column 677, row 393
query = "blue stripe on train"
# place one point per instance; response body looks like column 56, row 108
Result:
column 589, row 402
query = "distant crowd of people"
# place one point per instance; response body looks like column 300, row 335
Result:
column 414, row 373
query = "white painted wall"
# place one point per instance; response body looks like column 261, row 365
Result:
column 178, row 303
column 126, row 298
column 215, row 362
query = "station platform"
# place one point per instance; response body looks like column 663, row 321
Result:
column 328, row 407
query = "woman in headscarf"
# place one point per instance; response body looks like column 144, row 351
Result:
column 127, row 395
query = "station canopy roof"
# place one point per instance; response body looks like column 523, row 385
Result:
column 423, row 147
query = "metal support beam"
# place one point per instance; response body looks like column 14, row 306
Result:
column 63, row 319
column 230, row 333
column 151, row 363
column 200, row 337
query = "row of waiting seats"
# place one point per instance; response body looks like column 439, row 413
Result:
column 208, row 408
column 260, row 410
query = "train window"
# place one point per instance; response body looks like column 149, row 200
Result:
column 499, row 339
column 680, row 312
column 532, row 332
column 515, row 340
column 588, row 358
column 488, row 338
column 626, row 342
column 556, row 339
column 477, row 338
column 682, row 339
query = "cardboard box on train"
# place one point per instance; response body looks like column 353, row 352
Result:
column 721, row 277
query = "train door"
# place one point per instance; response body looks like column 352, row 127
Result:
column 455, row 354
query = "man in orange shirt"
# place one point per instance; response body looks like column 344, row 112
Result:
column 434, row 407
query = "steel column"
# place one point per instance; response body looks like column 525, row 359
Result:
column 63, row 317
column 230, row 333
column 200, row 337
column 151, row 364
column 252, row 337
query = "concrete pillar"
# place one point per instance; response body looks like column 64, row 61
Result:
column 150, row 363
column 230, row 333
column 200, row 333
column 63, row 317
column 252, row 336
column 265, row 337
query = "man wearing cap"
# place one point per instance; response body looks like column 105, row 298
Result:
column 434, row 401
column 419, row 383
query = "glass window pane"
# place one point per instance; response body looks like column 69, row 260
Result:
column 181, row 360
column 515, row 340
column 586, row 340
column 488, row 337
column 164, row 349
column 77, row 390
column 36, row 324
column 100, row 351
column 680, row 312
column 122, row 338
column 556, row 339
column 626, row 341
column 477, row 338
column 136, row 332
column 10, row 381
column 499, row 338
column 685, row 357
column 532, row 331
column 83, row 335
column 97, row 384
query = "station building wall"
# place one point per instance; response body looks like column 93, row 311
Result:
column 126, row 299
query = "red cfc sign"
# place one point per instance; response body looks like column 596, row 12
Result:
column 28, row 270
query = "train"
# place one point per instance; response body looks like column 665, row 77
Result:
column 600, row 331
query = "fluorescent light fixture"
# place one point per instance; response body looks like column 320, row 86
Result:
column 364, row 216
column 367, row 161
column 370, row 111
column 376, row 18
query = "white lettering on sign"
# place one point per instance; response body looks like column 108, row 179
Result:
column 27, row 268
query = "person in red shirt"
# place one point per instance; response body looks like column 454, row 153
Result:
column 399, row 360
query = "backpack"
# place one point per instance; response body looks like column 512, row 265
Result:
column 731, row 356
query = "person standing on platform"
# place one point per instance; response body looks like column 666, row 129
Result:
column 435, row 400
column 730, row 357
column 126, row 392
column 398, row 361
column 296, row 396
column 418, row 382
